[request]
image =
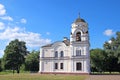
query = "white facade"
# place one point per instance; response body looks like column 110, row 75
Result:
column 68, row 56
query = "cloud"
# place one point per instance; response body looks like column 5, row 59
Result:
column 31, row 39
column 110, row 41
column 23, row 21
column 9, row 31
column 2, row 10
column 3, row 15
column 2, row 26
column 109, row 32
column 8, row 18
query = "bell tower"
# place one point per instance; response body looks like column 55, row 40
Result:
column 79, row 31
column 79, row 44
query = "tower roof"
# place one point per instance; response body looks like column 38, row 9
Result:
column 79, row 19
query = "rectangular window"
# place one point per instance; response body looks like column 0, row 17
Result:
column 56, row 54
column 78, row 66
column 56, row 65
column 61, row 54
column 78, row 52
column 61, row 65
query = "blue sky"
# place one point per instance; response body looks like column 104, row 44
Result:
column 40, row 22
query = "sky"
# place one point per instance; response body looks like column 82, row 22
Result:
column 40, row 22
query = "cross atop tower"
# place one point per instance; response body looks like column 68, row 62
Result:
column 79, row 15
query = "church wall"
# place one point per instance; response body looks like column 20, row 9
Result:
column 48, row 66
column 47, row 53
column 84, row 66
column 75, row 57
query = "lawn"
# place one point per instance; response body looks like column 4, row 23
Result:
column 36, row 76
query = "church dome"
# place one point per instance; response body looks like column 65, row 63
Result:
column 79, row 20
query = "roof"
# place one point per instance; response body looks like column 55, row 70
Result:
column 79, row 20
column 48, row 45
column 66, row 42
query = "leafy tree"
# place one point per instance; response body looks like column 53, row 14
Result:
column 117, row 46
column 112, row 49
column 0, row 64
column 32, row 61
column 98, row 59
column 14, row 55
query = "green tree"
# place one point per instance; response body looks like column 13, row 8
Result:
column 0, row 64
column 14, row 55
column 112, row 49
column 117, row 46
column 98, row 59
column 32, row 61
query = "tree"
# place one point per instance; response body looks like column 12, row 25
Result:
column 0, row 64
column 32, row 61
column 98, row 59
column 14, row 55
column 117, row 45
column 112, row 49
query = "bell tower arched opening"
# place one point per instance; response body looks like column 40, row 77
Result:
column 78, row 36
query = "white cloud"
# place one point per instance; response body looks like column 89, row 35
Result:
column 3, row 14
column 31, row 39
column 23, row 21
column 109, row 32
column 2, row 10
column 7, row 18
column 8, row 32
column 2, row 26
column 110, row 41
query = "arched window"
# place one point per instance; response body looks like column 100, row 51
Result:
column 78, row 36
column 56, row 54
column 61, row 54
column 78, row 66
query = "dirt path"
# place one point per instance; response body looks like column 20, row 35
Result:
column 104, row 77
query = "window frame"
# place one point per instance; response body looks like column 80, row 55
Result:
column 78, row 52
column 56, row 54
column 61, row 54
column 78, row 66
column 61, row 66
column 55, row 65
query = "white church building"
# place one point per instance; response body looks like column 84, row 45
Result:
column 70, row 56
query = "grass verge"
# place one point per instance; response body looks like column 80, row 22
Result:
column 36, row 76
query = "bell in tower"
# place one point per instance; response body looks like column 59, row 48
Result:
column 78, row 36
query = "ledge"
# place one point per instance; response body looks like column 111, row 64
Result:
column 69, row 73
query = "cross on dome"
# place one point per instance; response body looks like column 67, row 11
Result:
column 79, row 15
column 79, row 19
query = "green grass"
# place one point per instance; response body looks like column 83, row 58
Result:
column 10, row 72
column 36, row 76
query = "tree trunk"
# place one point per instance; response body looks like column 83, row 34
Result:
column 18, row 70
column 13, row 69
